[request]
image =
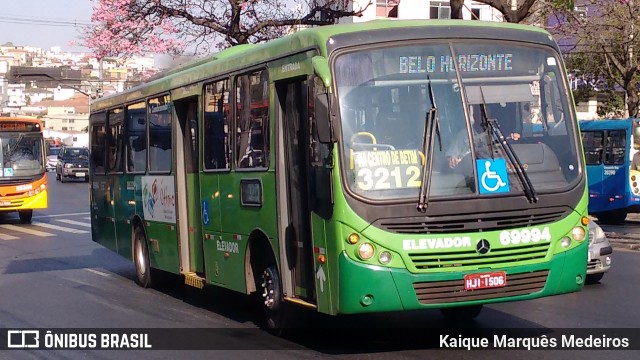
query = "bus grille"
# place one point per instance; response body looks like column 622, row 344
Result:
column 473, row 222
column 443, row 292
column 431, row 260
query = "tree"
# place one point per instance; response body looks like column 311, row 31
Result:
column 127, row 27
column 605, row 39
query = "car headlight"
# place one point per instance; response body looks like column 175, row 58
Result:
column 598, row 235
column 67, row 166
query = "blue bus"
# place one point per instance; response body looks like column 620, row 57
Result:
column 613, row 178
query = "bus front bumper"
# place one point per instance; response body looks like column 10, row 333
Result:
column 37, row 201
column 365, row 288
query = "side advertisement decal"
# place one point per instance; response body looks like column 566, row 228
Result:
column 159, row 198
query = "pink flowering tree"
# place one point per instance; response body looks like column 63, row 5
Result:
column 514, row 11
column 126, row 27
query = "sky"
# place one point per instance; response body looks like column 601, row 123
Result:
column 44, row 23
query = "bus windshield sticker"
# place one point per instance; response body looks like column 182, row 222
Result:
column 387, row 169
column 492, row 176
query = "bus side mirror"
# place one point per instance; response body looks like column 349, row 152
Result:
column 323, row 119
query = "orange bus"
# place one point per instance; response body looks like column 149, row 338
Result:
column 23, row 177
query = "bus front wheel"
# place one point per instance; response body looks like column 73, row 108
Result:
column 141, row 259
column 461, row 313
column 271, row 298
column 612, row 217
column 25, row 216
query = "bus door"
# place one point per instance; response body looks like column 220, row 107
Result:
column 101, row 191
column 188, row 187
column 295, row 229
column 615, row 174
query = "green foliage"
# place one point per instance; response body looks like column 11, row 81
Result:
column 613, row 106
column 563, row 4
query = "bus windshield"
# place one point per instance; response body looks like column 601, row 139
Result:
column 384, row 98
column 21, row 155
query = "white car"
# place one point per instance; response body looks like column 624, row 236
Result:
column 52, row 158
column 599, row 260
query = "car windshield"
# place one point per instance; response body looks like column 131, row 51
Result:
column 76, row 153
column 384, row 98
column 21, row 155
column 54, row 151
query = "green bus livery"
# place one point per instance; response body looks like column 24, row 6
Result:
column 380, row 166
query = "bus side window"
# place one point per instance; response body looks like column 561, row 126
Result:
column 216, row 125
column 252, row 142
column 98, row 136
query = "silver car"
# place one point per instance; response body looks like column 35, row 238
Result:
column 599, row 261
column 52, row 158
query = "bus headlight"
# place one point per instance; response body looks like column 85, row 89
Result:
column 578, row 233
column 366, row 251
column 384, row 257
column 565, row 242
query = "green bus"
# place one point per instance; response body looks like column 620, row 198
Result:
column 380, row 166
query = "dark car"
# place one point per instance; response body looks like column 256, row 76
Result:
column 73, row 163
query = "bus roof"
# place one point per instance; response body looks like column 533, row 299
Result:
column 20, row 119
column 606, row 124
column 316, row 38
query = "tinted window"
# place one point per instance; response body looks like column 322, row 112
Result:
column 98, row 137
column 217, row 146
column 159, row 113
column 616, row 146
column 76, row 153
column 136, row 137
column 592, row 142
column 115, row 140
column 252, row 140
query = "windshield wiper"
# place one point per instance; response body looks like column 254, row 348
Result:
column 494, row 129
column 431, row 127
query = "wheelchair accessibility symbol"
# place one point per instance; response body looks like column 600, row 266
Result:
column 492, row 175
column 205, row 212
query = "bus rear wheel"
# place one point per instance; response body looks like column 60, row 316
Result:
column 461, row 313
column 25, row 216
column 141, row 259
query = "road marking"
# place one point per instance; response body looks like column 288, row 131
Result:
column 74, row 222
column 56, row 227
column 26, row 230
column 98, row 272
column 87, row 218
column 61, row 215
column 7, row 237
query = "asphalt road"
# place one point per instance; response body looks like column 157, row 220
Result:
column 54, row 276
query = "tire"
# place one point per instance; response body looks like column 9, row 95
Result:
column 612, row 218
column 462, row 313
column 269, row 289
column 62, row 179
column 141, row 259
column 594, row 278
column 25, row 216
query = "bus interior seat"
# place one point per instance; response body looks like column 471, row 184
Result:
column 540, row 161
